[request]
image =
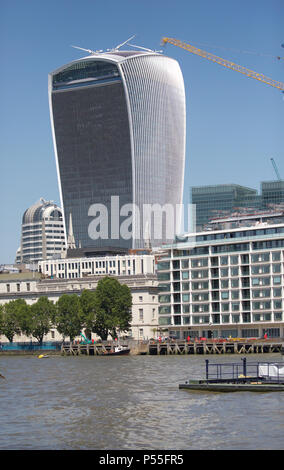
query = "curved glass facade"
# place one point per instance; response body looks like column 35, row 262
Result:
column 118, row 125
column 157, row 104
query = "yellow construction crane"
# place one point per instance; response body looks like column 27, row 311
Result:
column 226, row 63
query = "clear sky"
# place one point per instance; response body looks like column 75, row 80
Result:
column 234, row 123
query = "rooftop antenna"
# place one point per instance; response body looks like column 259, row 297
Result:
column 140, row 47
column 88, row 50
column 122, row 44
column 144, row 48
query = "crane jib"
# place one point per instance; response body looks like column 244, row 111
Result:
column 226, row 63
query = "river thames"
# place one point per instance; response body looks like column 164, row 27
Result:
column 131, row 403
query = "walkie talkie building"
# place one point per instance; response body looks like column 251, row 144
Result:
column 118, row 124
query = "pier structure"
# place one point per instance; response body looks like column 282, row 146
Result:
column 178, row 347
column 90, row 349
column 215, row 347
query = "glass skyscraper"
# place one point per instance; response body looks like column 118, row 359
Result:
column 223, row 199
column 118, row 123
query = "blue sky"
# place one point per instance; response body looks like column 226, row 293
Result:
column 234, row 123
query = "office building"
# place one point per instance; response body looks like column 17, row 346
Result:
column 223, row 199
column 272, row 193
column 42, row 233
column 222, row 283
column 111, row 264
column 118, row 125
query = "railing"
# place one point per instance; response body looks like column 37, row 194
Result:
column 267, row 371
column 31, row 346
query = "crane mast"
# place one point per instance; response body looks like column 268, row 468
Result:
column 226, row 63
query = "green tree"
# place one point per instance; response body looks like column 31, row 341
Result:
column 12, row 313
column 88, row 309
column 39, row 319
column 68, row 318
column 112, row 304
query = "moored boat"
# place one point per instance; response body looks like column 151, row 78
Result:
column 118, row 351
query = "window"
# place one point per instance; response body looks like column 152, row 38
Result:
column 141, row 314
column 259, row 257
column 276, row 256
column 176, row 286
column 276, row 268
column 251, row 333
column 225, row 318
column 260, row 293
column 260, row 269
column 225, row 307
column 234, row 283
column 225, row 295
column 18, row 287
column 224, row 284
column 164, row 265
column 195, row 263
column 246, row 317
column 164, row 309
column 140, row 298
column 8, row 287
column 277, row 292
column 235, row 318
column 261, row 281
column 277, row 304
column 163, row 276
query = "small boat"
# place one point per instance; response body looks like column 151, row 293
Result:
column 118, row 351
column 236, row 377
column 43, row 356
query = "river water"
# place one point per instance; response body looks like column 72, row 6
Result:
column 88, row 403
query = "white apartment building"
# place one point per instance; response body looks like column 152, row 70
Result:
column 222, row 283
